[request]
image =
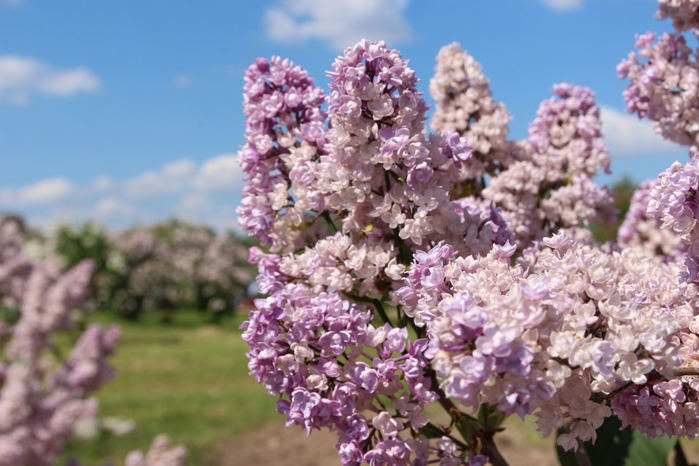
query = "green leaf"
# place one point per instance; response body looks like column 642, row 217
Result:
column 616, row 447
column 465, row 428
column 644, row 452
column 490, row 417
column 9, row 315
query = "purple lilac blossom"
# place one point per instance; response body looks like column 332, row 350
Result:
column 512, row 305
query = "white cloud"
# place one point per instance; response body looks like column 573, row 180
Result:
column 183, row 80
column 113, row 207
column 196, row 203
column 221, row 173
column 11, row 2
column 44, row 192
column 563, row 5
column 172, row 178
column 103, row 184
column 207, row 192
column 627, row 136
column 20, row 77
column 341, row 23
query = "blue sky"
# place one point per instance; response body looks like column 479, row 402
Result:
column 131, row 111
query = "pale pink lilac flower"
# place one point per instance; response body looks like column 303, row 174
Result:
column 39, row 402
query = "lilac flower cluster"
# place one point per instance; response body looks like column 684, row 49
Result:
column 333, row 368
column 40, row 402
column 664, row 76
column 285, row 133
column 414, row 269
column 556, row 334
column 538, row 185
column 465, row 105
column 159, row 454
column 644, row 231
column 161, row 266
column 41, row 397
column 684, row 13
column 379, row 191
column 552, row 187
column 674, row 203
column 382, row 173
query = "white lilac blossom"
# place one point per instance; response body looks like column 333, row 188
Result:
column 465, row 106
column 557, row 334
column 674, row 203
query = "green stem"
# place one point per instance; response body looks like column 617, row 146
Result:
column 469, row 427
column 329, row 220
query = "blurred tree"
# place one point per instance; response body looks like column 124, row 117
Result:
column 623, row 190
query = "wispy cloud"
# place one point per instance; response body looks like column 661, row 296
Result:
column 563, row 5
column 627, row 136
column 48, row 191
column 21, row 77
column 220, row 173
column 339, row 23
column 183, row 80
column 11, row 2
column 172, row 178
column 208, row 191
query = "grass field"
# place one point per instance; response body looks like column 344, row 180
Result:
column 187, row 379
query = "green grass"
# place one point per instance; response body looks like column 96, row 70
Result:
column 186, row 379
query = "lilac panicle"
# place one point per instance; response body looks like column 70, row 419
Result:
column 552, row 188
column 39, row 403
column 285, row 132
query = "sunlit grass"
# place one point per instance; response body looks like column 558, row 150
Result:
column 186, row 379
